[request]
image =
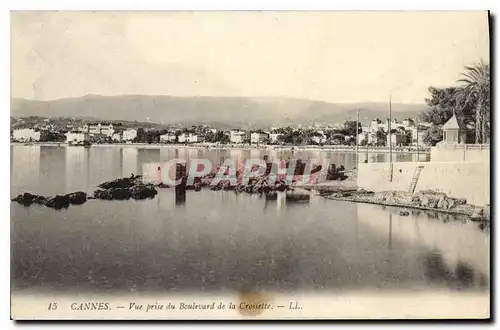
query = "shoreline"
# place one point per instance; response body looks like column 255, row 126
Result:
column 332, row 148
column 436, row 202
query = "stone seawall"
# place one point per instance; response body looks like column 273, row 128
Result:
column 465, row 180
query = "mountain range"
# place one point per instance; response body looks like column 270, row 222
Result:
column 243, row 112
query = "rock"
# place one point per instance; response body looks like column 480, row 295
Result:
column 120, row 193
column 77, row 198
column 143, row 191
column 477, row 213
column 58, row 202
column 103, row 194
column 486, row 212
column 429, row 200
column 39, row 200
column 27, row 199
column 379, row 197
column 390, row 197
column 404, row 198
column 122, row 182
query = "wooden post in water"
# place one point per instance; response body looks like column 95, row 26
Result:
column 158, row 175
column 180, row 189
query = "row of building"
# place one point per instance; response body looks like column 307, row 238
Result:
column 405, row 132
column 107, row 131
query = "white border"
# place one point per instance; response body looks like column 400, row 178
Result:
column 180, row 5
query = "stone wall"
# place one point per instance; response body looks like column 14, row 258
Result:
column 460, row 153
column 469, row 180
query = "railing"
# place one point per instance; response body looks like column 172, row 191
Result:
column 458, row 146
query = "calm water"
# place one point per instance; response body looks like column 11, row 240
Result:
column 223, row 240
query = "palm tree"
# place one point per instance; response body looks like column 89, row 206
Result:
column 476, row 89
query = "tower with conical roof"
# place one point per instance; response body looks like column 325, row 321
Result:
column 452, row 131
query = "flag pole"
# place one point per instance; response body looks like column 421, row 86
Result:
column 390, row 129
column 357, row 139
column 390, row 136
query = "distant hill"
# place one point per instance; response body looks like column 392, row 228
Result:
column 217, row 111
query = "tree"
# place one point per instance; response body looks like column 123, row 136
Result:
column 381, row 137
column 338, row 138
column 350, row 127
column 476, row 90
column 470, row 102
column 443, row 102
column 433, row 135
column 280, row 139
column 141, row 135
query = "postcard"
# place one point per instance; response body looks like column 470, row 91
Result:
column 250, row 165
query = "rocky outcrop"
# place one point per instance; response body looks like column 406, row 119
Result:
column 119, row 189
column 143, row 191
column 57, row 202
column 77, row 198
column 27, row 199
column 427, row 200
column 138, row 191
column 129, row 182
column 336, row 173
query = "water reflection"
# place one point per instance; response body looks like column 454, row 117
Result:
column 460, row 261
column 459, row 276
column 180, row 195
column 224, row 240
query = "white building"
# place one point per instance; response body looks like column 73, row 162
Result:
column 375, row 125
column 363, row 136
column 396, row 139
column 129, row 134
column 319, row 139
column 257, row 137
column 237, row 136
column 26, row 135
column 195, row 138
column 98, row 128
column 408, row 123
column 183, row 138
column 117, row 137
column 395, row 124
column 107, row 129
column 417, row 136
column 190, row 138
column 273, row 137
column 77, row 137
column 168, row 138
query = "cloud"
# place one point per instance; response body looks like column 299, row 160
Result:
column 331, row 56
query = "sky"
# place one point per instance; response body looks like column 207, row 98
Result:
column 327, row 56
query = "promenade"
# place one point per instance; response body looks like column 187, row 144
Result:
column 212, row 146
